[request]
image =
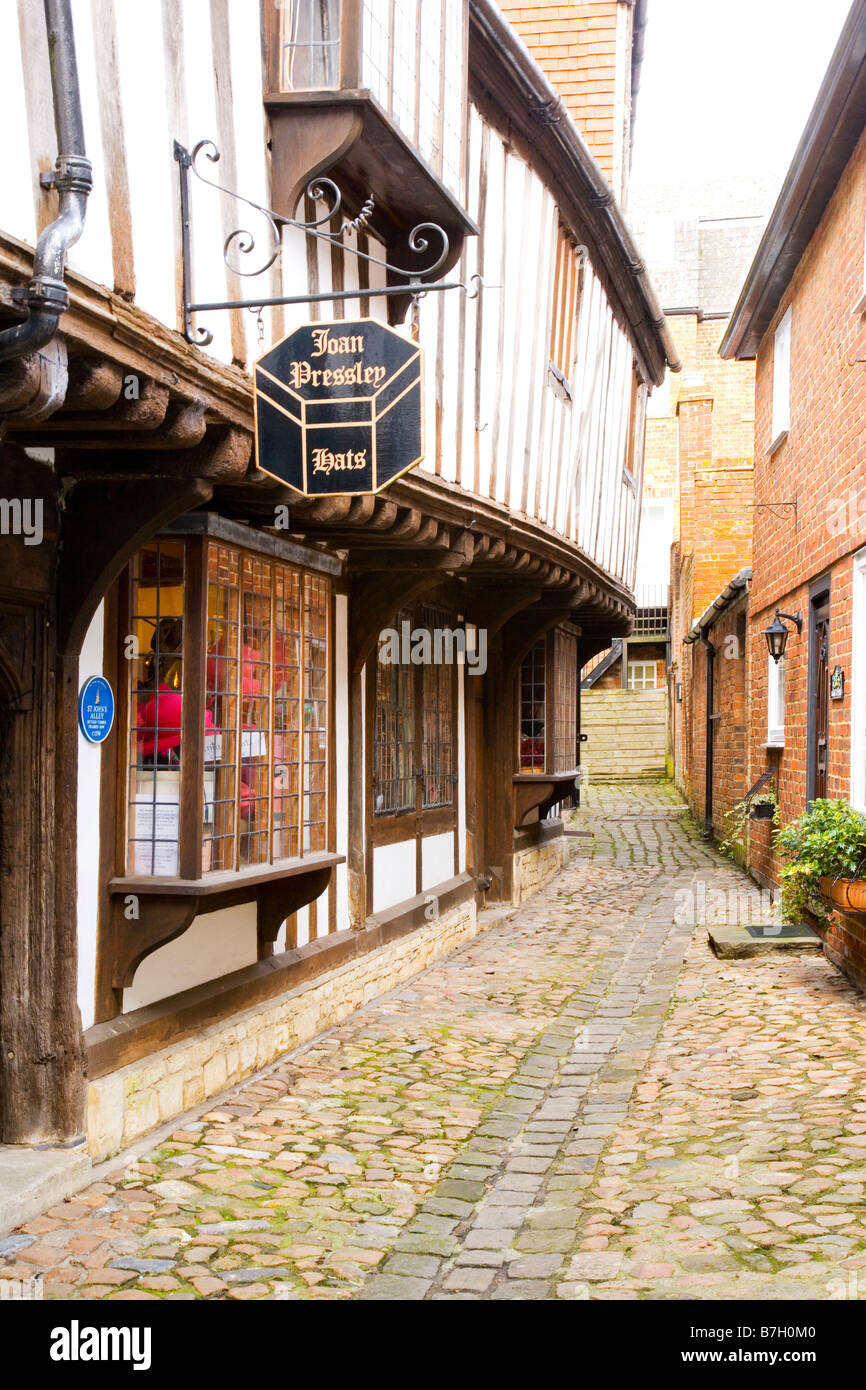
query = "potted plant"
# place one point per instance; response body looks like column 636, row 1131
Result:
column 824, row 851
column 762, row 805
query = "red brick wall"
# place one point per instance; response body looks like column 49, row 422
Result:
column 576, row 46
column 821, row 465
column 705, row 445
column 731, row 702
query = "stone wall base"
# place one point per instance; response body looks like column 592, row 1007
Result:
column 535, row 864
column 125, row 1104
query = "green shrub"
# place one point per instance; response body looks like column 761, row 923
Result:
column 827, row 841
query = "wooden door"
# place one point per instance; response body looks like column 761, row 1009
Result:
column 819, row 697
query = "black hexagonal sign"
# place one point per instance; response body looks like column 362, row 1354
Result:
column 339, row 408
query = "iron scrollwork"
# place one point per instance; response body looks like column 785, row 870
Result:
column 241, row 242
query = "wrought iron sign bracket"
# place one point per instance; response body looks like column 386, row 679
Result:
column 415, row 282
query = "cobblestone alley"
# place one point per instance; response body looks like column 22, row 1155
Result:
column 583, row 1103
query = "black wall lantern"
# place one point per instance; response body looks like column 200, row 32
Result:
column 777, row 634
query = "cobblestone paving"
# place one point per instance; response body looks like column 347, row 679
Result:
column 582, row 1103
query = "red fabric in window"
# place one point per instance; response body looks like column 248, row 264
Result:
column 159, row 721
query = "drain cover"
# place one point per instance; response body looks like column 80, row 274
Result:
column 785, row 932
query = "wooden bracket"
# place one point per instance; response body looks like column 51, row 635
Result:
column 160, row 919
column 278, row 900
column 102, row 527
column 543, row 791
column 375, row 598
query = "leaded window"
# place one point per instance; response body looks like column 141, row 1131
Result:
column 414, row 721
column 548, row 703
column 227, row 709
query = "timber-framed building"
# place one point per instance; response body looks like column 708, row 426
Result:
column 280, row 823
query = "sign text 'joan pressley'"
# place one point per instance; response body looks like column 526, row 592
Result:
column 303, row 373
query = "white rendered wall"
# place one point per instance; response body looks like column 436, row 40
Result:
column 214, row 945
column 89, row 773
column 393, row 874
column 437, row 859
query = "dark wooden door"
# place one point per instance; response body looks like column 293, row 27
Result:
column 819, row 703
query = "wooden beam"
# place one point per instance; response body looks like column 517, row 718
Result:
column 104, row 526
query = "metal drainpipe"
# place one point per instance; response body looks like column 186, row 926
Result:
column 708, row 760
column 47, row 296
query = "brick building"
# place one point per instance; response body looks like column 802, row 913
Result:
column 591, row 52
column 800, row 317
column 696, row 517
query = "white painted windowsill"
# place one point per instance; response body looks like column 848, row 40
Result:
column 860, row 306
column 778, row 441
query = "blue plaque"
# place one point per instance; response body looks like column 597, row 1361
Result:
column 96, row 709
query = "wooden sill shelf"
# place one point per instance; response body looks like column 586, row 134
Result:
column 541, row 789
column 228, row 880
column 164, row 908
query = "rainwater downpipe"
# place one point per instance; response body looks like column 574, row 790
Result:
column 708, row 759
column 47, row 296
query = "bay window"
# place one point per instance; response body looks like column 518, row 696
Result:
column 227, row 705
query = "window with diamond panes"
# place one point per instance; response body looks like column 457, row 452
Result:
column 394, row 783
column 437, row 717
column 567, row 276
column 414, row 63
column 156, row 693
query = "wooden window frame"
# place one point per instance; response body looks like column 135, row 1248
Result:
column 781, row 398
column 639, row 689
column 196, row 533
column 390, row 827
column 566, row 300
column 351, row 18
column 351, row 72
column 554, row 686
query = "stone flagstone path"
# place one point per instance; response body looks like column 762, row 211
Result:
column 582, row 1103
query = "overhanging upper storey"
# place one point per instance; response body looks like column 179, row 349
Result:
column 513, row 94
column 373, row 94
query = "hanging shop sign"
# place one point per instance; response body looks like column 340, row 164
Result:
column 96, row 709
column 339, row 408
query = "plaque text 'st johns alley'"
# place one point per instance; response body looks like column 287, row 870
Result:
column 339, row 408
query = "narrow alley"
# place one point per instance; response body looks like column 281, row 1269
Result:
column 581, row 1103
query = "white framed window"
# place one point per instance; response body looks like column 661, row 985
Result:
column 781, row 382
column 776, row 701
column 642, row 675
column 856, row 699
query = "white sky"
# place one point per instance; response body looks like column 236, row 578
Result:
column 726, row 87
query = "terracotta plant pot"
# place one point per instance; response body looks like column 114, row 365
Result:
column 848, row 893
